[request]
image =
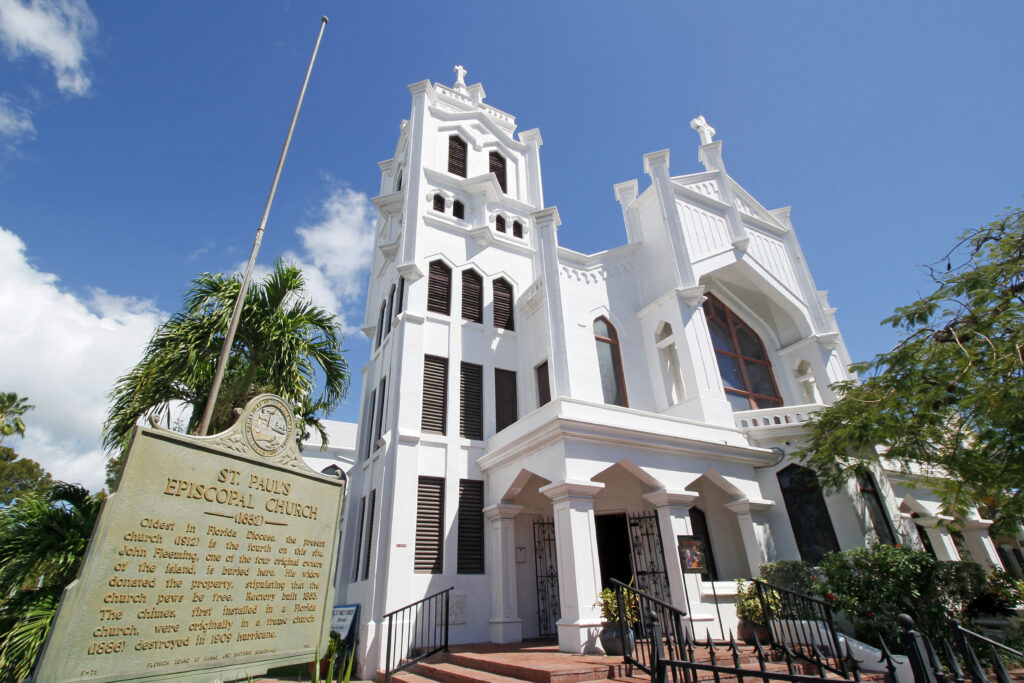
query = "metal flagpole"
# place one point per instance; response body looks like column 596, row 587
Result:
column 240, row 301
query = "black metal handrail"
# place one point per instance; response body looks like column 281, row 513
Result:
column 645, row 613
column 416, row 631
column 804, row 624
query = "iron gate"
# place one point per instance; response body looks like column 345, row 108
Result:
column 648, row 555
column 548, row 611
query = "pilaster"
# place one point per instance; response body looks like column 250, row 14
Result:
column 938, row 534
column 420, row 91
column 579, row 578
column 545, row 223
column 750, row 515
column 673, row 508
column 982, row 548
column 711, row 156
column 701, row 378
column 656, row 166
column 506, row 626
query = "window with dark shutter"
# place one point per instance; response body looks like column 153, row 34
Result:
column 497, row 167
column 517, row 229
column 401, row 295
column 506, row 400
column 391, row 311
column 499, row 223
column 380, row 412
column 458, row 209
column 429, row 556
column 471, row 401
column 543, row 385
column 503, row 305
column 439, row 203
column 398, row 182
column 439, row 287
column 380, row 325
column 359, row 539
column 369, row 533
column 368, row 431
column 457, row 156
column 471, row 527
column 435, row 394
column 472, row 296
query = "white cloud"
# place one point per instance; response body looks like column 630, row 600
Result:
column 15, row 120
column 63, row 353
column 56, row 31
column 336, row 252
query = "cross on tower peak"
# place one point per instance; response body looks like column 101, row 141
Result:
column 460, row 76
column 704, row 129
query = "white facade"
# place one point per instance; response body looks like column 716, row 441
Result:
column 575, row 460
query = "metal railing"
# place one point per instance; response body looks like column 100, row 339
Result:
column 642, row 613
column 962, row 662
column 804, row 625
column 416, row 631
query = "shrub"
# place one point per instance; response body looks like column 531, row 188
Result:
column 794, row 575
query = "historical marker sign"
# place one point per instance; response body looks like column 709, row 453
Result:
column 213, row 561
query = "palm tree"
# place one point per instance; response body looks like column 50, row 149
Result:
column 11, row 410
column 284, row 345
column 42, row 540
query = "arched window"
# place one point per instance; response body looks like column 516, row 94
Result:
column 742, row 361
column 380, row 324
column 458, row 209
column 503, row 317
column 398, row 181
column 610, row 363
column 808, row 514
column 669, row 364
column 499, row 223
column 517, row 229
column 391, row 311
column 472, row 296
column 457, row 156
column 497, row 167
column 876, row 508
column 439, row 203
column 439, row 288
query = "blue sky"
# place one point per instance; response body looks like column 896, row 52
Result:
column 138, row 142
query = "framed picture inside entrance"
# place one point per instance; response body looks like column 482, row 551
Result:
column 692, row 556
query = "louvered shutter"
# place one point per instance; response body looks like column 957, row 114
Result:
column 380, row 325
column 458, row 209
column 472, row 296
column 505, row 398
column 439, row 288
column 429, row 557
column 359, row 539
column 380, row 412
column 391, row 311
column 503, row 305
column 517, row 229
column 438, row 203
column 369, row 424
column 369, row 533
column 435, row 394
column 471, row 402
column 543, row 385
column 497, row 167
column 499, row 223
column 471, row 527
column 457, row 156
column 401, row 296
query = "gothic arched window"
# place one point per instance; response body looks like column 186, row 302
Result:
column 457, row 156
column 497, row 167
column 742, row 362
column 439, row 288
column 609, row 363
column 808, row 514
column 503, row 315
column 876, row 508
column 472, row 296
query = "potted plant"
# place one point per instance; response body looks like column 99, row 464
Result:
column 611, row 632
column 750, row 614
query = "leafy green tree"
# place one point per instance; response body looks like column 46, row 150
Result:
column 946, row 402
column 17, row 475
column 284, row 345
column 42, row 540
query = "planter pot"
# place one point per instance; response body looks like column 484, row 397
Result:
column 747, row 629
column 611, row 640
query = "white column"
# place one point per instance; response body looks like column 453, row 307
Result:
column 506, row 626
column 941, row 540
column 980, row 544
column 545, row 223
column 673, row 509
column 579, row 576
column 753, row 529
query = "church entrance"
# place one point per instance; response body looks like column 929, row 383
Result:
column 612, row 546
column 629, row 549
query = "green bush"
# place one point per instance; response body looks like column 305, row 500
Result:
column 794, row 575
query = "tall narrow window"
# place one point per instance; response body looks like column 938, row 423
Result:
column 742, row 361
column 503, row 305
column 401, row 295
column 669, row 361
column 517, row 229
column 472, row 296
column 380, row 412
column 435, row 394
column 429, row 555
column 458, row 209
column 499, row 223
column 369, row 533
column 876, row 508
column 699, row 522
column 497, row 167
column 439, row 203
column 439, row 288
column 506, row 399
column 457, row 156
column 471, row 527
column 359, row 539
column 368, row 432
column 391, row 311
column 380, row 325
column 398, row 182
column 543, row 384
column 609, row 362
column 808, row 514
column 471, row 401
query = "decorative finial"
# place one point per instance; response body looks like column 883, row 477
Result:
column 460, row 76
column 703, row 129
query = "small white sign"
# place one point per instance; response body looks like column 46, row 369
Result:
column 342, row 618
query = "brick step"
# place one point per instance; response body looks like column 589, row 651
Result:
column 554, row 668
column 449, row 672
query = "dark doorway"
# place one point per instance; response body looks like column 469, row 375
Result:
column 613, row 548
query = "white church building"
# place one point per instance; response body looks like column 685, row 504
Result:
column 535, row 421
